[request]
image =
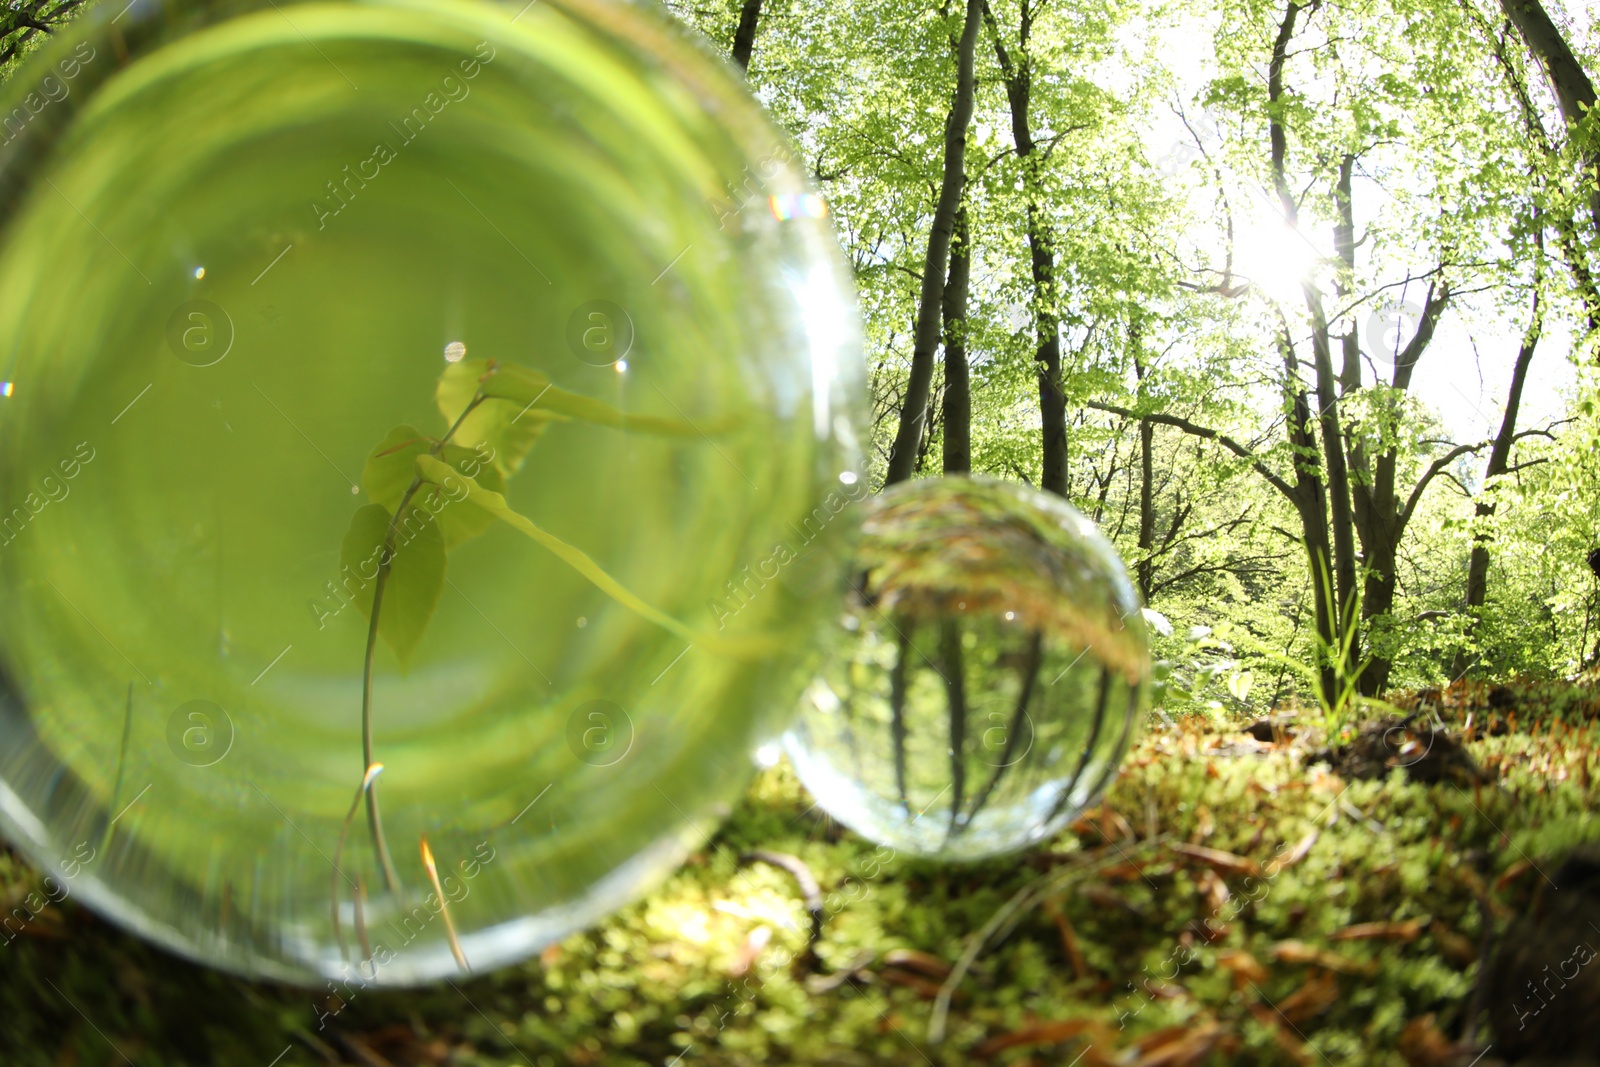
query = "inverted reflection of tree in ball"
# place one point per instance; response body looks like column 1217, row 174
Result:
column 993, row 670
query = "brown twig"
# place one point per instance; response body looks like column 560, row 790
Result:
column 810, row 891
column 1069, row 939
column 1009, row 913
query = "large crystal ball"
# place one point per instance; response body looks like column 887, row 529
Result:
column 389, row 394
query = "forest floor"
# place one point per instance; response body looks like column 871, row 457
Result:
column 1233, row 901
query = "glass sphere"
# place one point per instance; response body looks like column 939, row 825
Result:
column 993, row 671
column 405, row 405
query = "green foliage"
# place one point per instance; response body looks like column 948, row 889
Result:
column 430, row 494
column 416, row 571
column 391, row 467
column 1173, row 289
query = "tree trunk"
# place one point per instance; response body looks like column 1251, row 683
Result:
column 1338, row 510
column 1146, row 570
column 1375, row 509
column 744, row 38
column 1575, row 92
column 1052, row 398
column 1380, row 516
column 1307, row 495
column 1573, row 88
column 1147, row 509
column 1499, row 460
column 1018, row 77
column 930, row 307
column 1341, row 512
column 957, row 414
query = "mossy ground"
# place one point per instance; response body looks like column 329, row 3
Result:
column 1148, row 949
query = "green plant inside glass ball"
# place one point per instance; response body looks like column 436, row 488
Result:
column 391, row 388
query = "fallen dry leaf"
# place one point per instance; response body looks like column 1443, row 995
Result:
column 1156, row 1038
column 926, row 988
column 1312, row 999
column 1106, row 897
column 1069, row 939
column 1475, row 886
column 1111, row 819
column 1301, row 849
column 1453, row 946
column 1051, row 1033
column 1179, row 1046
column 754, row 944
column 1216, row 859
column 1408, row 930
column 1423, row 1045
column 922, row 962
column 1245, row 967
column 1283, row 1034
column 1512, row 873
column 1213, row 889
column 1124, row 872
column 1300, row 952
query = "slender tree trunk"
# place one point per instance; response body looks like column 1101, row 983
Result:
column 1568, row 237
column 930, row 308
column 1375, row 509
column 1309, row 503
column 1499, row 461
column 1147, row 509
column 1017, row 73
column 1372, row 504
column 955, row 687
column 1336, row 507
column 1147, row 491
column 1340, row 510
column 1380, row 515
column 1574, row 90
column 744, row 38
column 957, row 413
column 1575, row 95
column 1052, row 398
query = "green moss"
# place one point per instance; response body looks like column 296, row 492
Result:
column 658, row 980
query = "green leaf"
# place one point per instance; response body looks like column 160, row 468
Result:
column 588, row 409
column 506, row 429
column 520, row 403
column 415, row 575
column 735, row 646
column 392, row 467
column 393, row 464
column 460, row 521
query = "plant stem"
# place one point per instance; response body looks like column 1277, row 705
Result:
column 385, row 561
column 367, row 779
